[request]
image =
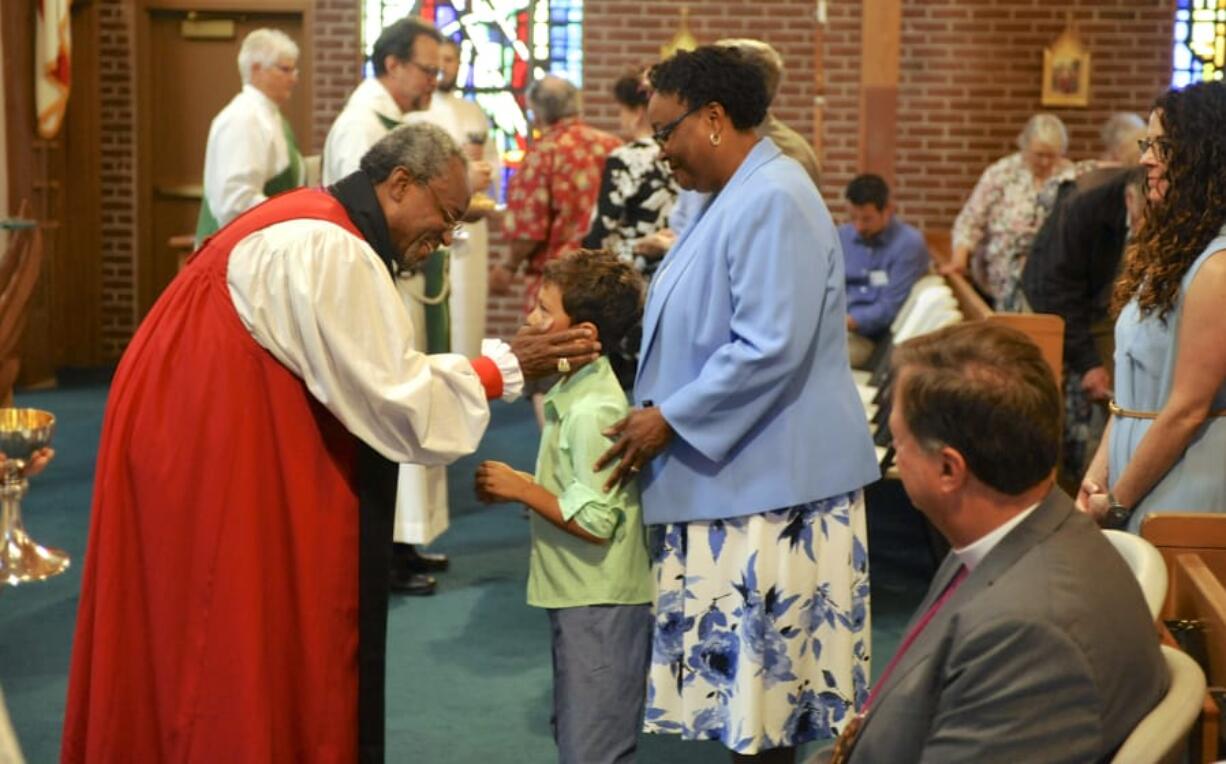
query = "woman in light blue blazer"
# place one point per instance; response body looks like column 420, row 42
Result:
column 750, row 437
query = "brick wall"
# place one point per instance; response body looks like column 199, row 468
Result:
column 969, row 77
column 622, row 35
column 337, row 68
column 117, row 120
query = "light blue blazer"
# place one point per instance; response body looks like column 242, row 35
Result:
column 745, row 353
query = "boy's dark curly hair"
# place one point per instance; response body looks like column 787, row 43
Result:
column 715, row 74
column 599, row 288
column 1191, row 213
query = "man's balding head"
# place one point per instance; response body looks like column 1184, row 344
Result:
column 553, row 99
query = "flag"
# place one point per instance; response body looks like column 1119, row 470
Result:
column 52, row 48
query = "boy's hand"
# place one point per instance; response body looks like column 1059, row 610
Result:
column 499, row 482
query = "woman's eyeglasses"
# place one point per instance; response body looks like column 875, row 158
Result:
column 665, row 132
column 1160, row 146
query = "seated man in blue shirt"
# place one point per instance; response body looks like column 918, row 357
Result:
column 882, row 258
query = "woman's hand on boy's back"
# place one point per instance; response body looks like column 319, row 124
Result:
column 496, row 481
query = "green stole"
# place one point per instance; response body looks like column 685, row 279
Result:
column 286, row 180
column 437, row 301
column 434, row 268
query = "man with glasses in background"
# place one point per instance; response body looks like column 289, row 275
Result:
column 405, row 60
column 251, row 152
column 468, row 266
column 406, row 64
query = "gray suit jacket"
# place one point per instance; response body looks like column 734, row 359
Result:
column 1046, row 652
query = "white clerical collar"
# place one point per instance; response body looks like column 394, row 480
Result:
column 973, row 553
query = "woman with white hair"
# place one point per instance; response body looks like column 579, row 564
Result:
column 251, row 153
column 995, row 228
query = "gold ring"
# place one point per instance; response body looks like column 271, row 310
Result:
column 564, row 366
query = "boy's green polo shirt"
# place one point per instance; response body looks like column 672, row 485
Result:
column 566, row 571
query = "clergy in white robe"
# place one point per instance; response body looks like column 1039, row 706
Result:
column 251, row 152
column 468, row 125
column 405, row 60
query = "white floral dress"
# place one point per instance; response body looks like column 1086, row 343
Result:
column 762, row 632
column 998, row 224
column 637, row 192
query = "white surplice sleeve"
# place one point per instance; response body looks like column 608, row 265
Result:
column 321, row 301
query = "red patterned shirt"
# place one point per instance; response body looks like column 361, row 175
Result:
column 552, row 196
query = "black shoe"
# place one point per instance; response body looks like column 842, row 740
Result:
column 426, row 562
column 407, row 557
column 413, row 584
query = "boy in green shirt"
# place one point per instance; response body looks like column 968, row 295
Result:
column 589, row 566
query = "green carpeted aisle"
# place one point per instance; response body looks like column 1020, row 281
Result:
column 468, row 676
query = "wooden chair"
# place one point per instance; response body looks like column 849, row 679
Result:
column 19, row 271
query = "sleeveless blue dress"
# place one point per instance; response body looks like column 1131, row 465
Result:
column 1145, row 353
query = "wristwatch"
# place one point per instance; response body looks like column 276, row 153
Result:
column 1117, row 515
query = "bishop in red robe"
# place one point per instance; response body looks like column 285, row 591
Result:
column 234, row 602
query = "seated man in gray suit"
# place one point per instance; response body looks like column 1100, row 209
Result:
column 1034, row 642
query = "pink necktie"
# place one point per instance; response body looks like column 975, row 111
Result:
column 847, row 738
column 911, row 636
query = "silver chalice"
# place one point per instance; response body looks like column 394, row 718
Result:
column 23, row 432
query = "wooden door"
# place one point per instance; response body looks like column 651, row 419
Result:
column 185, row 80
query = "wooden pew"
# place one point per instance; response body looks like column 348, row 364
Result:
column 1193, row 544
column 1046, row 330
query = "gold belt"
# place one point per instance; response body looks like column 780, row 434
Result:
column 1115, row 410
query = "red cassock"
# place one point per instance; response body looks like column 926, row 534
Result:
column 218, row 619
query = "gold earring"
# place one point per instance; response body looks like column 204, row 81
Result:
column 714, row 138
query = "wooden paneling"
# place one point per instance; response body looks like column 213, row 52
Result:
column 880, row 35
column 59, row 177
column 77, row 261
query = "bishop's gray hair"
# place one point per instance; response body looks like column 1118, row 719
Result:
column 424, row 150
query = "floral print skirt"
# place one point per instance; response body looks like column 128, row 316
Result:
column 761, row 635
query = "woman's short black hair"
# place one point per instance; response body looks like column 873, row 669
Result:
column 630, row 91
column 715, row 74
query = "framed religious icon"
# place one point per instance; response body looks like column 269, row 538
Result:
column 1066, row 71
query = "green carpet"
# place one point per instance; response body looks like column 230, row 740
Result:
column 468, row 675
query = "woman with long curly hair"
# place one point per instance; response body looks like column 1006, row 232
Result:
column 1165, row 449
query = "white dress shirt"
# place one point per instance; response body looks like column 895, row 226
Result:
column 972, row 554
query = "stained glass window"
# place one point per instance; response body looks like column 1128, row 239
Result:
column 504, row 46
column 1200, row 41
